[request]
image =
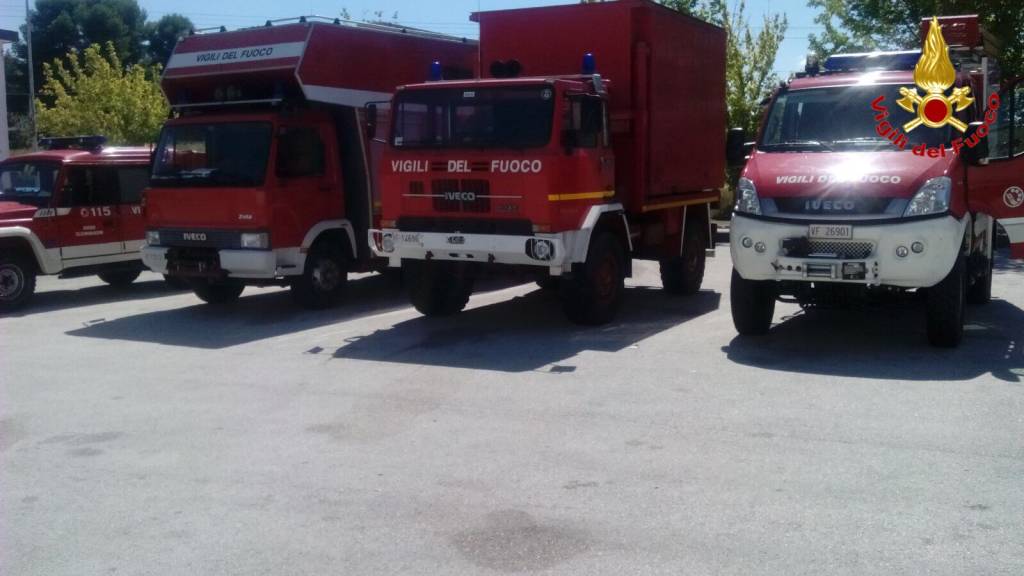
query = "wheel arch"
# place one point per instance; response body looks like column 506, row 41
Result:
column 332, row 230
column 24, row 242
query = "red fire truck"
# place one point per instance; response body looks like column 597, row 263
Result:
column 265, row 174
column 72, row 209
column 598, row 136
column 847, row 196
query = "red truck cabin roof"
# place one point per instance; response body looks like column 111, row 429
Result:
column 108, row 155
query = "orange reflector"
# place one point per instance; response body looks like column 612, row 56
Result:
column 387, row 223
column 541, row 228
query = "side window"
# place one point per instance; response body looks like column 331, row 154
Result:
column 1018, row 119
column 132, row 180
column 586, row 121
column 91, row 186
column 300, row 153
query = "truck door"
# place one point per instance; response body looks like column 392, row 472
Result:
column 131, row 181
column 91, row 228
column 307, row 181
column 997, row 189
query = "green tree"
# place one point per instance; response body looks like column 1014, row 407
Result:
column 92, row 92
column 860, row 25
column 164, row 34
column 59, row 26
column 750, row 56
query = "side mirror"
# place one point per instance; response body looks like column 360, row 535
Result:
column 978, row 155
column 371, row 121
column 734, row 147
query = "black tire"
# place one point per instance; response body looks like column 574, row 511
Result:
column 980, row 293
column 438, row 288
column 176, row 282
column 549, row 283
column 120, row 278
column 593, row 295
column 683, row 275
column 220, row 292
column 324, row 280
column 753, row 305
column 946, row 302
column 17, row 283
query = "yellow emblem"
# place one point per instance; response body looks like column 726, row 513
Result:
column 934, row 74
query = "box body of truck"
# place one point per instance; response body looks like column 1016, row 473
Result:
column 266, row 172
column 592, row 120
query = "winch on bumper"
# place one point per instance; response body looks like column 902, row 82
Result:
column 551, row 251
column 913, row 254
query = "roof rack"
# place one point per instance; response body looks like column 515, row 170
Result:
column 380, row 27
column 92, row 143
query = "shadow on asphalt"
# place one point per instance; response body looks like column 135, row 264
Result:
column 525, row 333
column 253, row 317
column 52, row 300
column 891, row 343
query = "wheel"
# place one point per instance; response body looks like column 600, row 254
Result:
column 17, row 283
column 324, row 279
column 980, row 293
column 592, row 296
column 175, row 282
column 549, row 283
column 120, row 278
column 946, row 302
column 684, row 274
column 438, row 288
column 220, row 292
column 753, row 305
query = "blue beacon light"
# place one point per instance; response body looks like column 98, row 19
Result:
column 436, row 73
column 589, row 64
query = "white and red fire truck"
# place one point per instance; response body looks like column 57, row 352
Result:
column 883, row 173
column 72, row 209
column 265, row 174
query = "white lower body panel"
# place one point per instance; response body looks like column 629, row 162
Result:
column 942, row 239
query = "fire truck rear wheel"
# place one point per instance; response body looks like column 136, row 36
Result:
column 684, row 274
column 121, row 278
column 217, row 292
column 753, row 305
column 323, row 281
column 593, row 296
column 946, row 302
column 175, row 282
column 438, row 288
column 17, row 283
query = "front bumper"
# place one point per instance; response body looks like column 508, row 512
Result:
column 396, row 245
column 942, row 238
column 251, row 264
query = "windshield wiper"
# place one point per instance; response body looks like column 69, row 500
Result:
column 861, row 141
column 796, row 144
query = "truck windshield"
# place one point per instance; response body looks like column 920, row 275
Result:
column 511, row 117
column 28, row 182
column 839, row 118
column 223, row 154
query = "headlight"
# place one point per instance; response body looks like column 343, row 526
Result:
column 260, row 240
column 932, row 198
column 747, row 201
column 387, row 243
column 152, row 237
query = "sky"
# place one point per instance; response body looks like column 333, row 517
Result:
column 449, row 16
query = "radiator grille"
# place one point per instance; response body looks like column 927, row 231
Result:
column 840, row 249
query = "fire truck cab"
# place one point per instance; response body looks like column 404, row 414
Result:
column 265, row 174
column 846, row 196
column 72, row 209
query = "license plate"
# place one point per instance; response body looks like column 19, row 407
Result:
column 830, row 231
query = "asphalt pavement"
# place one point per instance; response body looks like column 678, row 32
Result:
column 142, row 432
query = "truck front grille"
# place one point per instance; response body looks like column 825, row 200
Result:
column 841, row 250
column 466, row 195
